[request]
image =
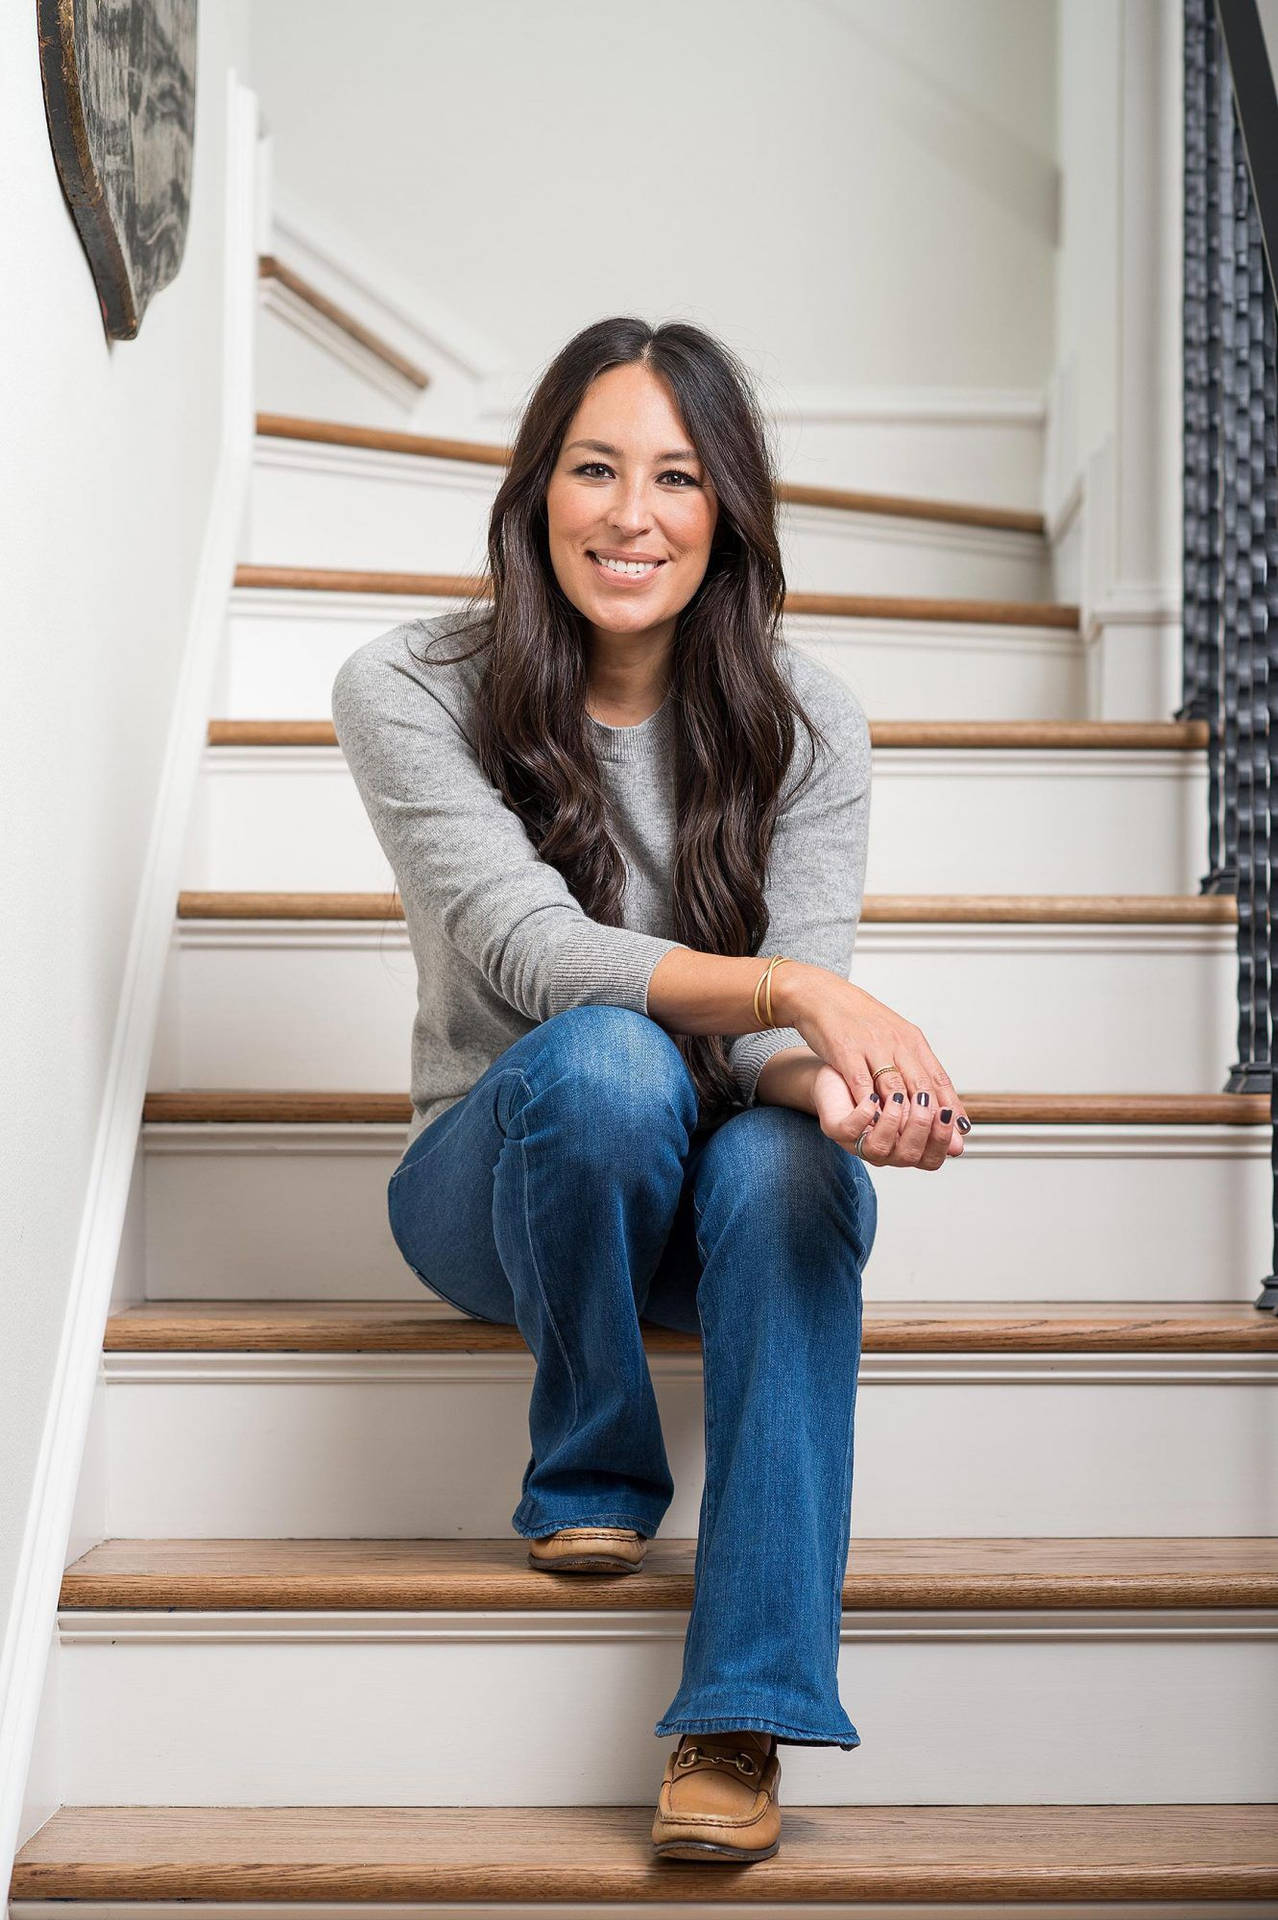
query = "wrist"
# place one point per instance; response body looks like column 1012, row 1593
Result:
column 791, row 990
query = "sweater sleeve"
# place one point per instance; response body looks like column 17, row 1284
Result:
column 464, row 858
column 816, row 869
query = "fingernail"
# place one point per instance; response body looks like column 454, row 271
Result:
column 898, row 1096
column 923, row 1097
column 947, row 1114
column 964, row 1124
column 874, row 1099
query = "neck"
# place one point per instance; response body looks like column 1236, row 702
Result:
column 627, row 675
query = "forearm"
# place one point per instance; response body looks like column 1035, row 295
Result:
column 786, row 1079
column 693, row 992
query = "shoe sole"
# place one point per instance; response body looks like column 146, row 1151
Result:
column 585, row 1564
column 708, row 1850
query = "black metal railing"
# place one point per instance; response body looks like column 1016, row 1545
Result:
column 1230, row 618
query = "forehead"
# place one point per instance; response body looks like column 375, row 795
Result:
column 632, row 407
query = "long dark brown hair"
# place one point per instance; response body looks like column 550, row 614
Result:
column 734, row 708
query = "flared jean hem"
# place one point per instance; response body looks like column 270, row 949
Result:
column 796, row 1736
column 645, row 1524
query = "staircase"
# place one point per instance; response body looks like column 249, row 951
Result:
column 308, row 1664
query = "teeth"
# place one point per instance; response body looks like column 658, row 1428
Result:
column 627, row 566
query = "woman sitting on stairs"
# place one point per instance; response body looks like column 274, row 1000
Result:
column 596, row 817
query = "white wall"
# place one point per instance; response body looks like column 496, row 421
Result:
column 1116, row 392
column 108, row 462
column 858, row 198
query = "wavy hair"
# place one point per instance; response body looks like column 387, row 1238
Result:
column 735, row 711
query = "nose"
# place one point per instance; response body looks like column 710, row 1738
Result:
column 628, row 512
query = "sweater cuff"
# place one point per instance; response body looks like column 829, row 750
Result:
column 749, row 1051
column 607, row 966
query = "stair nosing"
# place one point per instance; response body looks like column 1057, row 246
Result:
column 600, row 1854
column 934, row 1574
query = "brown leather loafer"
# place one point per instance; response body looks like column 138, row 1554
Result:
column 718, row 1798
column 588, row 1550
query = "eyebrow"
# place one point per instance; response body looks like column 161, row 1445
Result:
column 601, row 446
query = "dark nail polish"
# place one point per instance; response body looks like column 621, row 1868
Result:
column 898, row 1096
column 923, row 1097
column 874, row 1100
column 964, row 1124
column 947, row 1114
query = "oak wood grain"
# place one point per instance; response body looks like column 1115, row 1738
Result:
column 1061, row 736
column 940, row 909
column 539, row 1854
column 888, row 1326
column 411, row 1575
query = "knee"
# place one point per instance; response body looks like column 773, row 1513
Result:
column 780, row 1176
column 615, row 1072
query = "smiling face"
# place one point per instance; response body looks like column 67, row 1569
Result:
column 630, row 510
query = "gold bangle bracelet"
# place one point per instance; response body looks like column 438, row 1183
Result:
column 765, row 981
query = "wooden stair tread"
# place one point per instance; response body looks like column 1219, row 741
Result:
column 402, row 1575
column 940, row 909
column 888, row 1326
column 852, row 606
column 287, row 426
column 320, row 1106
column 1102, row 736
column 270, row 268
column 539, row 1854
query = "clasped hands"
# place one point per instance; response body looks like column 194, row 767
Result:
column 914, row 1115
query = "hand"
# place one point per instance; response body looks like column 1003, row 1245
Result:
column 853, row 1033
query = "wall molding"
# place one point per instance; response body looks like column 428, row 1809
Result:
column 23, row 1656
column 994, row 1368
column 467, row 1626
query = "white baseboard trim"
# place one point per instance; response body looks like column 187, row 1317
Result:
column 24, row 1653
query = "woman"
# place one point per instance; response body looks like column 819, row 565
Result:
column 596, row 815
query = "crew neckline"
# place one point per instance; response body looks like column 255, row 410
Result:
column 635, row 741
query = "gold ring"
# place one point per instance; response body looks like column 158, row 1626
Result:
column 891, row 1067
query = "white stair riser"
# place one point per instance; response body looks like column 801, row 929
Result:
column 1104, row 1009
column 940, row 822
column 1026, row 1213
column 284, row 649
column 329, row 506
column 559, row 1710
column 417, row 1445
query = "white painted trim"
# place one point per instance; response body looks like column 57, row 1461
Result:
column 48, row 1521
column 1024, row 1141
column 831, row 405
column 1010, row 762
column 278, row 452
column 943, row 940
column 464, row 1626
column 1122, row 1369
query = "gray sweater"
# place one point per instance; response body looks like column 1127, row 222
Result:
column 499, row 941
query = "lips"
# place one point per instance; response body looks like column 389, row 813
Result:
column 625, row 572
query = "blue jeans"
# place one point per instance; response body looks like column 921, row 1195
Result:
column 570, row 1192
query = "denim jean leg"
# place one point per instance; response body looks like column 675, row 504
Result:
column 786, row 1221
column 585, row 1190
